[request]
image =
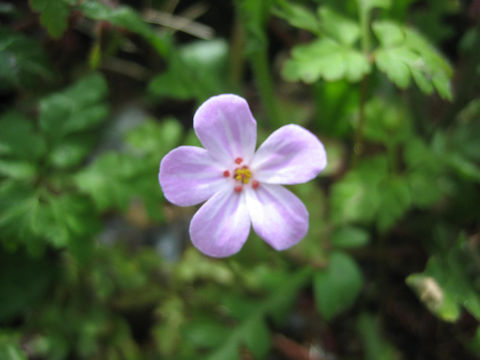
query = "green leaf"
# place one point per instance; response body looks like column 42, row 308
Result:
column 434, row 297
column 23, row 62
column 327, row 59
column 195, row 267
column 404, row 53
column 366, row 6
column 10, row 348
column 376, row 347
column 7, row 9
column 168, row 331
column 297, row 15
column 474, row 344
column 445, row 286
column 314, row 199
column 78, row 108
column 109, row 180
column 54, row 15
column 205, row 333
column 69, row 217
column 198, row 70
column 285, row 292
column 395, row 62
column 34, row 217
column 386, row 122
column 206, row 63
column 257, row 337
column 340, row 28
column 18, row 139
column 154, row 138
column 388, row 33
column 17, row 201
column 114, row 180
column 17, row 169
column 337, row 287
column 459, row 149
column 367, row 194
column 370, row 4
column 70, row 151
column 463, row 166
column 424, row 187
column 356, row 197
column 434, row 65
column 426, row 173
column 24, row 285
column 350, row 237
column 419, row 155
column 168, row 85
column 124, row 17
column 254, row 15
column 339, row 101
column 395, row 201
column 228, row 351
column 467, row 129
column 252, row 330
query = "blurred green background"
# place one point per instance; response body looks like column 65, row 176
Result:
column 95, row 264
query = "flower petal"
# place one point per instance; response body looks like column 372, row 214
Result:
column 278, row 216
column 189, row 176
column 226, row 128
column 221, row 226
column 290, row 155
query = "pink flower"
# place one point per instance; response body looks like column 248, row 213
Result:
column 241, row 186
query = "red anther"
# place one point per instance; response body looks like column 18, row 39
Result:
column 239, row 160
column 226, row 173
column 255, row 184
column 238, row 188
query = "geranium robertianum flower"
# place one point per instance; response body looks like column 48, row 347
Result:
column 241, row 186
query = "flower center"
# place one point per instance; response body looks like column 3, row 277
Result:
column 242, row 176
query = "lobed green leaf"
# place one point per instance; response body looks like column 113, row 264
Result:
column 198, row 70
column 23, row 62
column 404, row 54
column 325, row 58
column 54, row 15
column 297, row 15
column 29, row 216
column 337, row 287
column 349, row 237
column 376, row 346
column 445, row 285
column 18, row 138
column 337, row 26
column 124, row 17
column 78, row 108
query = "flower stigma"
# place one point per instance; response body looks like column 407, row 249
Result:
column 242, row 176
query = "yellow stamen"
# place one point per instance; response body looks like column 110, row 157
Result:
column 243, row 175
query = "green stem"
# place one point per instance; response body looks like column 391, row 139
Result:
column 358, row 141
column 392, row 158
column 236, row 53
column 364, row 18
column 261, row 71
column 254, row 16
